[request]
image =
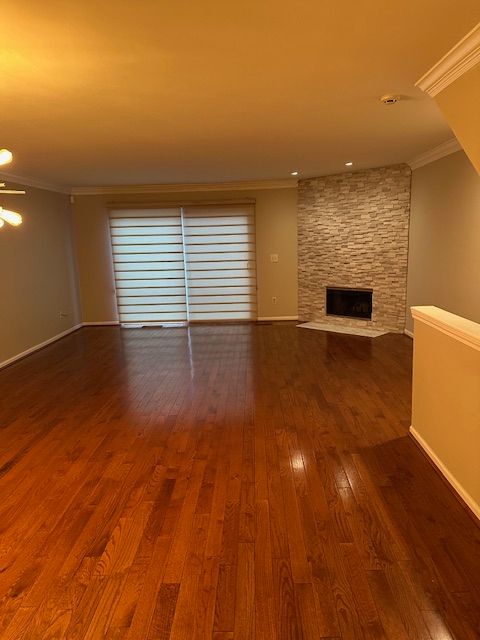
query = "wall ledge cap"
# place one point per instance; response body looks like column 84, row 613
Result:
column 461, row 329
column 462, row 57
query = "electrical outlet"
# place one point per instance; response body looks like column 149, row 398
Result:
column 274, row 299
column 274, row 257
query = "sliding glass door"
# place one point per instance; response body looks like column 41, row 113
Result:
column 220, row 258
column 149, row 265
column 195, row 263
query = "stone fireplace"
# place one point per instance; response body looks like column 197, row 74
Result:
column 353, row 236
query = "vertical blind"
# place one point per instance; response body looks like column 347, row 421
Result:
column 148, row 260
column 194, row 263
column 220, row 258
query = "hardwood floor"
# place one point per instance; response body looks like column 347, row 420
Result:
column 233, row 482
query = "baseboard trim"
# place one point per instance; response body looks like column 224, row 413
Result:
column 37, row 347
column 270, row 318
column 408, row 333
column 460, row 492
column 106, row 323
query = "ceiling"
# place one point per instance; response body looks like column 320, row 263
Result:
column 107, row 93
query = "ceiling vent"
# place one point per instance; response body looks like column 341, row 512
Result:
column 389, row 99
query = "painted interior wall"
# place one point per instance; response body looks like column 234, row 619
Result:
column 460, row 104
column 446, row 399
column 276, row 232
column 37, row 264
column 444, row 244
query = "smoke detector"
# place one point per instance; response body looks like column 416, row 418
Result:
column 389, row 99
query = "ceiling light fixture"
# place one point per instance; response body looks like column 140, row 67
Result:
column 5, row 156
column 349, row 164
column 12, row 217
column 294, row 173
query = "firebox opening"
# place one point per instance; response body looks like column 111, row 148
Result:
column 350, row 303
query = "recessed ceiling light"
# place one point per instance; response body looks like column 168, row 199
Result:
column 294, row 173
column 349, row 164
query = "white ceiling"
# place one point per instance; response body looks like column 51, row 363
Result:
column 118, row 92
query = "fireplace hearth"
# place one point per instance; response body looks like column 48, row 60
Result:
column 349, row 303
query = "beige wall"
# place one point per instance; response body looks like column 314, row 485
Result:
column 37, row 270
column 460, row 103
column 444, row 251
column 276, row 229
column 446, row 398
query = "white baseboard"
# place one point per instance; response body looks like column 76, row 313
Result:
column 464, row 495
column 27, row 352
column 408, row 333
column 267, row 318
column 106, row 323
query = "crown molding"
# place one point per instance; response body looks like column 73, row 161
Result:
column 440, row 151
column 180, row 188
column 33, row 182
column 462, row 57
column 151, row 188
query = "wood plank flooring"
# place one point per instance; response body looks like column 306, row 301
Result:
column 226, row 482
